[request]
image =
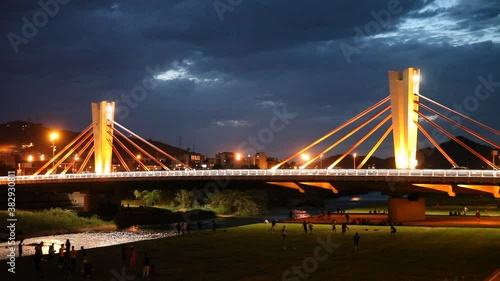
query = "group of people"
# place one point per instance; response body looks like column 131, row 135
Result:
column 129, row 258
column 67, row 258
column 375, row 211
column 185, row 227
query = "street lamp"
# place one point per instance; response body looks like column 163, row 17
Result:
column 53, row 137
column 321, row 161
column 237, row 157
column 305, row 157
column 354, row 160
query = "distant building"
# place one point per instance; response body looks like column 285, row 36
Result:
column 259, row 160
column 193, row 160
column 225, row 160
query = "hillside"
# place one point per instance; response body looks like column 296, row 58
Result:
column 30, row 138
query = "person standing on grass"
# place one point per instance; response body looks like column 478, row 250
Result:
column 38, row 259
column 273, row 225
column 311, row 226
column 393, row 230
column 83, row 254
column 478, row 215
column 61, row 255
column 133, row 256
column 304, row 225
column 284, row 232
column 356, row 242
column 68, row 247
column 72, row 256
column 334, row 226
column 51, row 251
column 344, row 228
column 147, row 266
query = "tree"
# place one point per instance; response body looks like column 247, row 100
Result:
column 237, row 202
column 186, row 199
column 148, row 197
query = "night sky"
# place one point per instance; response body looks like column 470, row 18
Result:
column 216, row 72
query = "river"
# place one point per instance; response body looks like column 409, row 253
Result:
column 91, row 240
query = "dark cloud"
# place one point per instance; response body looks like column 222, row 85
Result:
column 221, row 81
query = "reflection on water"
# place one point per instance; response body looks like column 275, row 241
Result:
column 87, row 239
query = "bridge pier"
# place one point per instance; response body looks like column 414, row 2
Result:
column 94, row 203
column 402, row 209
column 90, row 202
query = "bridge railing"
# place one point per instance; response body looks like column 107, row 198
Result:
column 267, row 172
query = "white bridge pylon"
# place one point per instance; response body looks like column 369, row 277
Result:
column 100, row 140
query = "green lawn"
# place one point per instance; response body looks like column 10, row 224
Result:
column 488, row 210
column 252, row 253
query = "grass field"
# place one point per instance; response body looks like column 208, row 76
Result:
column 489, row 210
column 253, row 253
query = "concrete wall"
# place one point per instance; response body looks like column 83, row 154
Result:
column 401, row 209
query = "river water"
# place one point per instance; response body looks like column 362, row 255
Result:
column 86, row 239
column 102, row 239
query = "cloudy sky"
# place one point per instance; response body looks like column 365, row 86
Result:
column 222, row 73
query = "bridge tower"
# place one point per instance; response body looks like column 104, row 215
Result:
column 403, row 87
column 102, row 115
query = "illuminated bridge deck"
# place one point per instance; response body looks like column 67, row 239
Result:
column 488, row 177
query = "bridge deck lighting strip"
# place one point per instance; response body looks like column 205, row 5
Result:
column 319, row 174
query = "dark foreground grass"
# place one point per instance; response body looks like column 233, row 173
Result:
column 253, row 253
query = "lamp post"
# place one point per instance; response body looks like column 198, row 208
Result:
column 238, row 160
column 321, row 161
column 53, row 137
column 354, row 160
column 305, row 157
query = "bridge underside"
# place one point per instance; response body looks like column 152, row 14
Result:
column 400, row 209
column 340, row 186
